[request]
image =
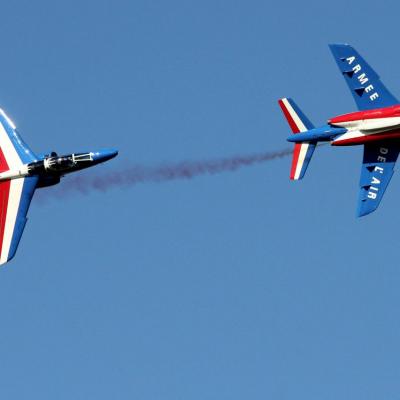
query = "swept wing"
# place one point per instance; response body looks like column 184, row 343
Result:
column 364, row 83
column 377, row 167
column 15, row 194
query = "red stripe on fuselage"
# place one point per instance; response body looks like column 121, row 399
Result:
column 289, row 118
column 295, row 160
column 4, row 195
column 387, row 112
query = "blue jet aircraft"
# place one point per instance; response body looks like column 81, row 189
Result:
column 22, row 172
column 376, row 126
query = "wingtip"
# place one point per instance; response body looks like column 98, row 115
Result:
column 336, row 48
column 361, row 212
column 338, row 44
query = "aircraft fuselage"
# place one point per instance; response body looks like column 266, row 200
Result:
column 52, row 167
column 356, row 128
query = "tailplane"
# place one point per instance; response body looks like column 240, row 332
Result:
column 303, row 151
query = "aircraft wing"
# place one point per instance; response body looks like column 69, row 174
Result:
column 377, row 169
column 364, row 83
column 15, row 198
column 15, row 194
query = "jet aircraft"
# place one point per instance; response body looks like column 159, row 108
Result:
column 376, row 126
column 22, row 172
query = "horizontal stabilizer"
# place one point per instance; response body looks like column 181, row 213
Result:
column 301, row 158
column 303, row 151
column 298, row 122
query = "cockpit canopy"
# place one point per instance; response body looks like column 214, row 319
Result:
column 82, row 157
column 56, row 163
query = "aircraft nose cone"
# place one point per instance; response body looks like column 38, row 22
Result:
column 104, row 155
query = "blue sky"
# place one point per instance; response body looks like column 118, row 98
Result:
column 238, row 285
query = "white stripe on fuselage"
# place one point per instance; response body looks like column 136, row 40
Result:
column 295, row 117
column 370, row 124
column 349, row 135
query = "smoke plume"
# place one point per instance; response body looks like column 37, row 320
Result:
column 135, row 174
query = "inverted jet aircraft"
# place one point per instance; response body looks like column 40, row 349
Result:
column 376, row 126
column 22, row 172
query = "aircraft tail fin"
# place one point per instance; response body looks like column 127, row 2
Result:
column 303, row 152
